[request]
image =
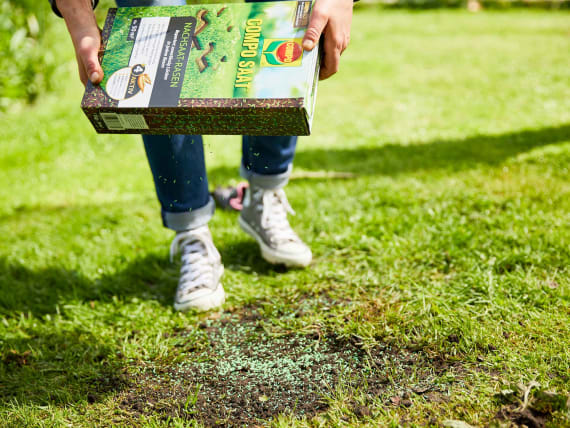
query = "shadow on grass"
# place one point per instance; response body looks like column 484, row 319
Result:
column 69, row 364
column 452, row 155
column 394, row 159
column 65, row 367
column 39, row 292
column 245, row 255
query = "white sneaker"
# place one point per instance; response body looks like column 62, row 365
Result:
column 199, row 286
column 264, row 217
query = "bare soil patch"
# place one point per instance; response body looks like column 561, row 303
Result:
column 246, row 376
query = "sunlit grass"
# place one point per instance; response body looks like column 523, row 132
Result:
column 453, row 238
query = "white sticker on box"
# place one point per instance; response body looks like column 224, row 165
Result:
column 146, row 56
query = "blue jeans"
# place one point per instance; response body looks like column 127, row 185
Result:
column 179, row 171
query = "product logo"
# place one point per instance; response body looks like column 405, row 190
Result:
column 282, row 53
column 127, row 82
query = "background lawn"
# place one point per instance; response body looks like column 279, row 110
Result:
column 440, row 273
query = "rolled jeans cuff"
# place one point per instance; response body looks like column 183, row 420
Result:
column 266, row 181
column 189, row 220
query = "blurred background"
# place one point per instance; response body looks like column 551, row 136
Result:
column 30, row 37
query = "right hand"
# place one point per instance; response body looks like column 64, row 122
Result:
column 86, row 37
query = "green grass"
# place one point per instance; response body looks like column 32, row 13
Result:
column 453, row 239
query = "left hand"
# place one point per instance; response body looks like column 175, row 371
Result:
column 86, row 37
column 332, row 18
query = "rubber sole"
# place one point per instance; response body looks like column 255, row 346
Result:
column 204, row 303
column 276, row 257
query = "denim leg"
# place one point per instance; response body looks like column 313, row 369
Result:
column 179, row 172
column 177, row 165
column 267, row 161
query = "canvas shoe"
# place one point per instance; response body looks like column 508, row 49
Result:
column 199, row 286
column 264, row 217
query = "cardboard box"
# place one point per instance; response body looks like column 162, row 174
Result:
column 206, row 69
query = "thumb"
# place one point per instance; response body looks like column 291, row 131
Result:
column 89, row 54
column 316, row 25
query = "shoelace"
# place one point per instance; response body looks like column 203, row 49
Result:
column 274, row 216
column 196, row 269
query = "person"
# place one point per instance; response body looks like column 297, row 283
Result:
column 179, row 172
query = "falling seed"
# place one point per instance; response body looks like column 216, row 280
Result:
column 224, row 58
column 230, row 28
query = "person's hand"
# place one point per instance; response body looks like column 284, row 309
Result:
column 333, row 19
column 86, row 37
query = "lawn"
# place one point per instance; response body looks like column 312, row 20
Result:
column 440, row 279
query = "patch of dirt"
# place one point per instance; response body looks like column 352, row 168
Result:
column 246, row 376
column 111, row 380
column 529, row 406
column 525, row 418
column 18, row 358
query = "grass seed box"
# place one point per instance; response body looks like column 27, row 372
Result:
column 206, row 69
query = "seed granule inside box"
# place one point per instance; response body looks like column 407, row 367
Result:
column 206, row 69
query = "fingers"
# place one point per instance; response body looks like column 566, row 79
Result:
column 330, row 64
column 334, row 46
column 333, row 17
column 314, row 30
